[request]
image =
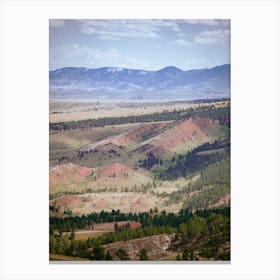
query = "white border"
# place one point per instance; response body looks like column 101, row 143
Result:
column 255, row 138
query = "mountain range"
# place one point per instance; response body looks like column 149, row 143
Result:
column 115, row 83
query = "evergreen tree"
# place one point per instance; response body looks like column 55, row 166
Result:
column 98, row 253
column 72, row 236
column 122, row 255
column 143, row 256
column 108, row 257
column 116, row 227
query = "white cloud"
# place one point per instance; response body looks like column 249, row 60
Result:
column 114, row 29
column 181, row 43
column 211, row 22
column 56, row 22
column 76, row 55
column 181, row 34
column 176, row 29
column 108, row 37
column 212, row 37
column 145, row 28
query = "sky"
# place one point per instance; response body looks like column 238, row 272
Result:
column 149, row 44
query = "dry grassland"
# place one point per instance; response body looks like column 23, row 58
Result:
column 107, row 201
column 58, row 113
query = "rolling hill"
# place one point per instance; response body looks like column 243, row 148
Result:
column 168, row 161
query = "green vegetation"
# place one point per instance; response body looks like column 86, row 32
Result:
column 202, row 233
column 222, row 114
column 203, row 174
column 209, row 188
column 145, row 218
column 193, row 161
column 204, row 238
column 148, row 135
column 143, row 256
column 217, row 176
column 207, row 197
column 122, row 255
column 150, row 161
column 61, row 244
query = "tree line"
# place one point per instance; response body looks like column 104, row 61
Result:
column 202, row 234
column 220, row 113
column 149, row 218
column 184, row 164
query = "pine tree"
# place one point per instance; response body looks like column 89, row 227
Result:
column 122, row 255
column 72, row 236
column 108, row 257
column 143, row 256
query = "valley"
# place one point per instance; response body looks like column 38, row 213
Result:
column 153, row 163
column 139, row 140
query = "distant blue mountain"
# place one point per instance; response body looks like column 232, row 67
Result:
column 115, row 83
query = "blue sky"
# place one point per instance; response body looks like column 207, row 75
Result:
column 139, row 44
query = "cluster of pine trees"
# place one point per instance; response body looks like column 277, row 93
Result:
column 152, row 217
column 204, row 238
column 212, row 184
column 203, row 233
column 195, row 160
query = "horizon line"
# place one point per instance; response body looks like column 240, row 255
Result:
column 82, row 67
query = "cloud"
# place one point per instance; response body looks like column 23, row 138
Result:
column 181, row 34
column 76, row 55
column 212, row 37
column 211, row 22
column 56, row 22
column 163, row 23
column 115, row 29
column 181, row 43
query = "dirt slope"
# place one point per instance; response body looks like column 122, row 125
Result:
column 73, row 178
column 68, row 173
column 124, row 201
column 156, row 247
column 183, row 136
column 138, row 133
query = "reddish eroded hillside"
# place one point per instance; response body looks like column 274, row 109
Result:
column 130, row 136
column 177, row 135
column 65, row 173
column 185, row 132
column 126, row 202
column 66, row 200
column 114, row 170
column 138, row 133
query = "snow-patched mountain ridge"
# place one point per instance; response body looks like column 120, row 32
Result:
column 169, row 83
